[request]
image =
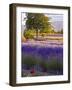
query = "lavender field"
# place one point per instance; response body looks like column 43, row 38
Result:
column 41, row 44
column 44, row 57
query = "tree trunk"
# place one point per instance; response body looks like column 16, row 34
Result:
column 37, row 34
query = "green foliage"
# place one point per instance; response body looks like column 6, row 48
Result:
column 47, row 30
column 61, row 31
column 38, row 22
column 55, row 65
column 44, row 65
column 51, row 65
column 44, row 30
column 43, row 34
column 29, row 61
column 29, row 34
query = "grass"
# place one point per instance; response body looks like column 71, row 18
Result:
column 31, row 61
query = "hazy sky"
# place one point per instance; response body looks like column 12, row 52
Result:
column 56, row 20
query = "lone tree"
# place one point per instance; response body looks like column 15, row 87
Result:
column 61, row 31
column 37, row 22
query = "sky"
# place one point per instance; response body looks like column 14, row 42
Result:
column 56, row 20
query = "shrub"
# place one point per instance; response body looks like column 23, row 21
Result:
column 29, row 34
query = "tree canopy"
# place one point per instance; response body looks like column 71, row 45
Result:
column 38, row 24
column 37, row 21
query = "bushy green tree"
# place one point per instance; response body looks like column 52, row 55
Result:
column 37, row 21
